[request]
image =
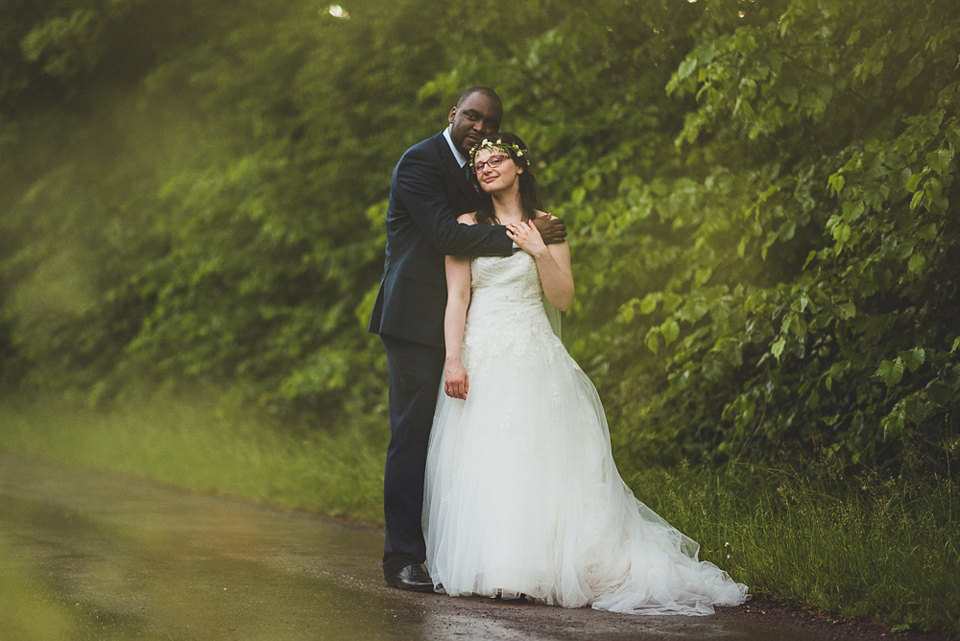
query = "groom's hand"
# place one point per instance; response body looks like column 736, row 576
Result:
column 551, row 229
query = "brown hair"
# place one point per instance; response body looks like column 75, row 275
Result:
column 510, row 144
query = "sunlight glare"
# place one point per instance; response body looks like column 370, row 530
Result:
column 337, row 11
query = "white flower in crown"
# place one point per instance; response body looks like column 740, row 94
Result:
column 499, row 144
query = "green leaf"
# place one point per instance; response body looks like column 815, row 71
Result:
column 940, row 161
column 653, row 341
column 789, row 95
column 914, row 182
column 787, row 230
column 671, row 302
column 852, row 211
column 686, row 68
column 842, row 233
column 836, row 182
column 913, row 358
column 915, row 409
column 777, row 348
column 891, row 372
column 712, row 369
column 670, row 330
column 928, row 232
column 649, row 303
column 917, row 199
column 916, row 263
column 932, row 189
column 893, row 423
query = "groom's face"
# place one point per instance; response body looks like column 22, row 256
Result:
column 479, row 116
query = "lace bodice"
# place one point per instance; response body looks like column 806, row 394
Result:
column 506, row 314
column 509, row 279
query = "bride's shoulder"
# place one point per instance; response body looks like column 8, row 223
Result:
column 468, row 218
column 544, row 214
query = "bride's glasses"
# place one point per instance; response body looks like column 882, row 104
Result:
column 491, row 162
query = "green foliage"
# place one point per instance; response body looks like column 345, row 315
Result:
column 759, row 193
column 796, row 277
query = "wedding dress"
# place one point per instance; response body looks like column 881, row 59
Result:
column 522, row 494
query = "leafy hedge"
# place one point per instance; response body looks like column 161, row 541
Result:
column 760, row 196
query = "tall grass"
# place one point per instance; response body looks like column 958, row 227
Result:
column 887, row 549
column 882, row 548
column 200, row 446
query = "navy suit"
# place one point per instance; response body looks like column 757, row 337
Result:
column 428, row 191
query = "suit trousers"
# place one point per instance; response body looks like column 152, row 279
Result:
column 414, row 373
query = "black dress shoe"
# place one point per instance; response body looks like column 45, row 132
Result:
column 412, row 577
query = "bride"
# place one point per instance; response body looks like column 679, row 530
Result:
column 522, row 494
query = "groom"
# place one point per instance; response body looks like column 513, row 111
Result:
column 430, row 188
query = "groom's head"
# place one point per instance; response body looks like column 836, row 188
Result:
column 478, row 114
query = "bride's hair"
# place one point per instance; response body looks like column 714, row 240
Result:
column 529, row 202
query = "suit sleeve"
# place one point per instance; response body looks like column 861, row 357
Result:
column 419, row 186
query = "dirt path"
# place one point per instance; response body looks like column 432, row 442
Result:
column 94, row 555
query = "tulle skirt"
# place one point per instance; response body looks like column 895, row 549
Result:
column 523, row 497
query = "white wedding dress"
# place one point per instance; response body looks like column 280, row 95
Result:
column 522, row 494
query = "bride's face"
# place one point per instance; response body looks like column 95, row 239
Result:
column 498, row 171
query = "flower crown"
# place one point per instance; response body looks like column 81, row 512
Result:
column 511, row 148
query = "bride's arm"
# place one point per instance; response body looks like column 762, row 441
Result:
column 560, row 289
column 454, row 322
column 457, row 269
column 553, row 263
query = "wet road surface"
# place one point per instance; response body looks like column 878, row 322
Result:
column 94, row 555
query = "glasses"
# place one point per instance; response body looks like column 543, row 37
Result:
column 491, row 162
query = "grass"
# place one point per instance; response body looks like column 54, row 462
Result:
column 881, row 548
column 887, row 549
column 201, row 447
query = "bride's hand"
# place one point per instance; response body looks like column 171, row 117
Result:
column 527, row 237
column 455, row 381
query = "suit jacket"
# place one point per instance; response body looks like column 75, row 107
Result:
column 428, row 191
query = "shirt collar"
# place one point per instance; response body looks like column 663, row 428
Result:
column 456, row 152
